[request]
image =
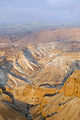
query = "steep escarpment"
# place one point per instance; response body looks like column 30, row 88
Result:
column 72, row 85
column 62, row 105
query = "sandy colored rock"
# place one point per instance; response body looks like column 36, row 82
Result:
column 72, row 85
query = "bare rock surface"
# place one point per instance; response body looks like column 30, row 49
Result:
column 41, row 80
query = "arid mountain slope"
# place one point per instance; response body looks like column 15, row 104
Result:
column 41, row 80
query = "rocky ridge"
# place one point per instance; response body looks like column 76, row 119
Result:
column 40, row 81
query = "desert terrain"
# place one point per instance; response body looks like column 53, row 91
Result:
column 40, row 75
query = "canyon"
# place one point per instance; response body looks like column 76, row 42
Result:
column 40, row 75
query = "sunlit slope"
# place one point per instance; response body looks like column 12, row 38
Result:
column 43, row 78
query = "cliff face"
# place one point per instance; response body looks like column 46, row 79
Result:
column 72, row 85
column 40, row 81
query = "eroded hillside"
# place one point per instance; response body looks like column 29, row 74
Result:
column 40, row 81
